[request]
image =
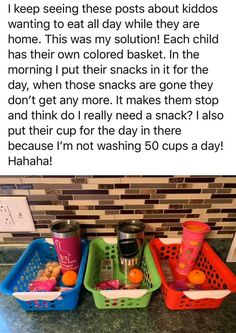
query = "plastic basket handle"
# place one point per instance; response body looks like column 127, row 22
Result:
column 110, row 240
column 114, row 294
column 168, row 241
column 37, row 296
column 200, row 294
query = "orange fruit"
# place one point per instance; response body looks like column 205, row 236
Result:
column 135, row 275
column 196, row 276
column 69, row 278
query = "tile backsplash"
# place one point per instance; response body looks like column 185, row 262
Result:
column 100, row 202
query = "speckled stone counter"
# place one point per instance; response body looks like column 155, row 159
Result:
column 87, row 318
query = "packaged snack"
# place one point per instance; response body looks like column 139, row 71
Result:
column 108, row 285
column 106, row 269
column 46, row 278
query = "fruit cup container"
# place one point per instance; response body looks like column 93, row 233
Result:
column 220, row 280
column 34, row 258
column 118, row 299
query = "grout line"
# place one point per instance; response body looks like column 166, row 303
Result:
column 12, row 245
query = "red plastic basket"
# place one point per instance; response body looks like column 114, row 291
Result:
column 220, row 280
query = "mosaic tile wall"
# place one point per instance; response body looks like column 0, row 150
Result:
column 99, row 203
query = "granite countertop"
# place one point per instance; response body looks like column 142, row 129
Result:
column 87, row 318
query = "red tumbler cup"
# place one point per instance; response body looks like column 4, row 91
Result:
column 194, row 233
column 66, row 238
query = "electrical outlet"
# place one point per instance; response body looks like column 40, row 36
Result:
column 15, row 215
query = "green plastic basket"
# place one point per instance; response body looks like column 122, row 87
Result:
column 119, row 299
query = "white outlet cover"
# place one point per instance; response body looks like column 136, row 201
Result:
column 15, row 215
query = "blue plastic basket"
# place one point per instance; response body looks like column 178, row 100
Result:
column 36, row 255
